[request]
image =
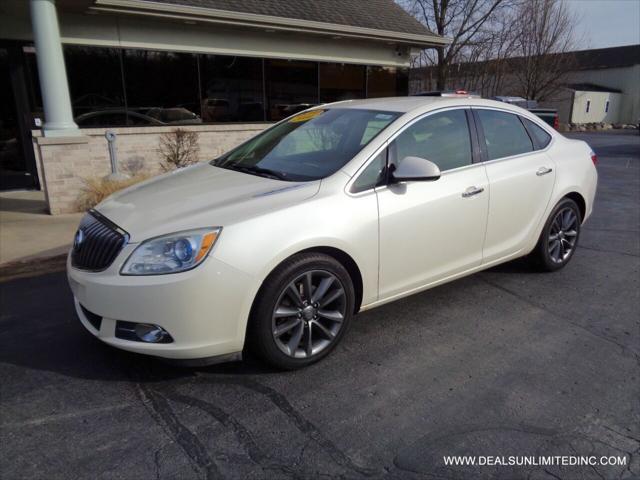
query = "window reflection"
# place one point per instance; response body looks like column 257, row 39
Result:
column 341, row 82
column 95, row 82
column 115, row 87
column 162, row 86
column 387, row 82
column 32, row 82
column 442, row 138
column 292, row 86
column 231, row 89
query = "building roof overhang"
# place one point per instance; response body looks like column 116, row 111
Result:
column 591, row 87
column 187, row 13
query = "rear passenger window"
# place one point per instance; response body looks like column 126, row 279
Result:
column 540, row 137
column 504, row 134
column 442, row 138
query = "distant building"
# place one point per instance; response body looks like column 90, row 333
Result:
column 72, row 69
column 589, row 103
column 602, row 86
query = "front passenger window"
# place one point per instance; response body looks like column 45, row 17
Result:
column 373, row 174
column 442, row 138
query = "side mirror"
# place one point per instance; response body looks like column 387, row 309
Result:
column 415, row 169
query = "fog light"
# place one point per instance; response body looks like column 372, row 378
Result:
column 142, row 332
column 150, row 333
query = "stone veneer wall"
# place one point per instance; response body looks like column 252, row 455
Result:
column 64, row 162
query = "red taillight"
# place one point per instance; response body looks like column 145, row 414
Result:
column 461, row 92
column 556, row 122
column 594, row 157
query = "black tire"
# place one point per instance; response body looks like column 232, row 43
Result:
column 548, row 256
column 276, row 298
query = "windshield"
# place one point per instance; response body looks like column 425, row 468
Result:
column 308, row 146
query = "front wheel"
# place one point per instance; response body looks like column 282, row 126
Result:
column 559, row 238
column 302, row 311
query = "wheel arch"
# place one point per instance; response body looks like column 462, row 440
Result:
column 347, row 262
column 580, row 201
column 571, row 193
column 338, row 254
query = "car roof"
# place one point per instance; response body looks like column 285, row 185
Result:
column 408, row 104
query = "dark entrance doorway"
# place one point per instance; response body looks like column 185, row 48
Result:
column 17, row 161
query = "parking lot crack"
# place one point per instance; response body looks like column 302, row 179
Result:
column 156, row 461
column 522, row 298
column 625, row 435
column 160, row 410
column 255, row 454
column 304, row 425
column 548, row 472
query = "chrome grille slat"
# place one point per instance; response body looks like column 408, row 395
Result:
column 101, row 246
column 114, row 249
column 102, row 242
column 91, row 245
column 111, row 248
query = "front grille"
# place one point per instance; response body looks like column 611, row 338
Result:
column 94, row 319
column 97, row 243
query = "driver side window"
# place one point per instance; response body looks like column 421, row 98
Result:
column 442, row 138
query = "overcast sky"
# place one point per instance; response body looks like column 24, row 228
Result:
column 607, row 23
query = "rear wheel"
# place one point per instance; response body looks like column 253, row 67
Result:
column 302, row 311
column 559, row 238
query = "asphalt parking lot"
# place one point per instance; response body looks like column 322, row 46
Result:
column 506, row 362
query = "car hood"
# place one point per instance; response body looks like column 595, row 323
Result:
column 197, row 197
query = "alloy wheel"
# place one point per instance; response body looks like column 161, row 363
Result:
column 309, row 314
column 563, row 235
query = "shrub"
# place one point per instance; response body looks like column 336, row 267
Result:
column 97, row 189
column 178, row 148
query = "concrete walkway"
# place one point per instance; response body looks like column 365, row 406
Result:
column 28, row 232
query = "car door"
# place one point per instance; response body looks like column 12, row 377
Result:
column 521, row 179
column 430, row 230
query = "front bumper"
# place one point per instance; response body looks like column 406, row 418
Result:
column 205, row 310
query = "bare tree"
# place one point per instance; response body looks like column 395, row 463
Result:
column 465, row 22
column 178, row 148
column 483, row 65
column 544, row 31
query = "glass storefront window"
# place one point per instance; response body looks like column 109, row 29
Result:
column 161, row 87
column 114, row 87
column 32, row 82
column 387, row 82
column 231, row 89
column 95, row 84
column 341, row 82
column 292, row 86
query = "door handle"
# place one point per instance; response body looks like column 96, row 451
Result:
column 471, row 191
column 543, row 171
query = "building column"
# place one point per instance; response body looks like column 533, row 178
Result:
column 51, row 70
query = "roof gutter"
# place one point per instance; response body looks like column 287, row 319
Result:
column 252, row 20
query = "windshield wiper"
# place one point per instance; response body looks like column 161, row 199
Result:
column 262, row 172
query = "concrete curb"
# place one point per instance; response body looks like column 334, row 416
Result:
column 31, row 267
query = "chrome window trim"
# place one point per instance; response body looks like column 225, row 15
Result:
column 537, row 121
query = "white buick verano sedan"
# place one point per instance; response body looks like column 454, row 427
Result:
column 336, row 210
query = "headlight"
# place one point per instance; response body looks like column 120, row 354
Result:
column 172, row 253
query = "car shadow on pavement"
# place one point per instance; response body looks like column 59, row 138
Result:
column 39, row 330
